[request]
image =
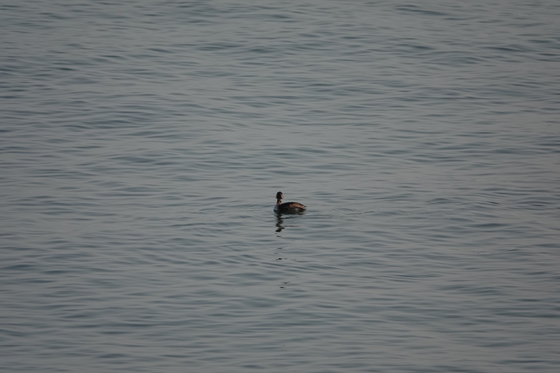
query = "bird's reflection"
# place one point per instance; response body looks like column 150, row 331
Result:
column 280, row 221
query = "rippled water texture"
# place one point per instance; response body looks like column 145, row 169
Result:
column 142, row 144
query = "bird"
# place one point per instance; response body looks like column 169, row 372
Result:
column 287, row 207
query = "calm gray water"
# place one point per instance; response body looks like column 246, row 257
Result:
column 142, row 144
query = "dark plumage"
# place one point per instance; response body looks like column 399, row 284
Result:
column 287, row 207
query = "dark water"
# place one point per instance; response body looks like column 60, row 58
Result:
column 142, row 145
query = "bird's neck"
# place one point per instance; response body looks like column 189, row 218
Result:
column 278, row 201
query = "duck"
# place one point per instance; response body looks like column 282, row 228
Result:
column 287, row 207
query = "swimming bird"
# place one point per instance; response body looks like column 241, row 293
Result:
column 287, row 207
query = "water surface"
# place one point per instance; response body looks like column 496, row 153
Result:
column 142, row 146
